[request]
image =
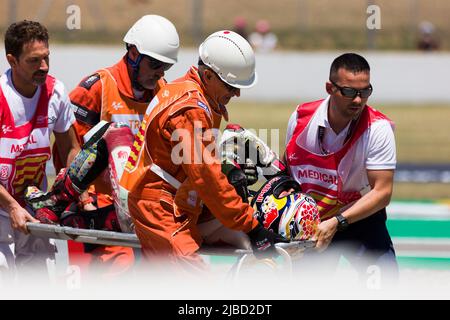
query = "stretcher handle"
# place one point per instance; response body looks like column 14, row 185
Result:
column 131, row 240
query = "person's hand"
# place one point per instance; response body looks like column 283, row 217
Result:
column 263, row 242
column 89, row 207
column 325, row 233
column 86, row 202
column 251, row 172
column 19, row 218
column 285, row 193
column 237, row 179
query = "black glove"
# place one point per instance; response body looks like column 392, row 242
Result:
column 251, row 172
column 237, row 179
column 263, row 242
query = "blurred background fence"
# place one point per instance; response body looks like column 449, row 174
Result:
column 299, row 24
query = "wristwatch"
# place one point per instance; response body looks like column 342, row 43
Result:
column 342, row 222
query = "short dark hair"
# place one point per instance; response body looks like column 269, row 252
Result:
column 349, row 61
column 200, row 62
column 202, row 66
column 20, row 33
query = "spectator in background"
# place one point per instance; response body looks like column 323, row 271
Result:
column 240, row 27
column 263, row 40
column 427, row 38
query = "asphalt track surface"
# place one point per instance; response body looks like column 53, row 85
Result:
column 422, row 173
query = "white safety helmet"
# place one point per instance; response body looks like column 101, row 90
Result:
column 231, row 57
column 155, row 36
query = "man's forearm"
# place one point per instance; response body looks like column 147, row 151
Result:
column 370, row 203
column 68, row 146
column 7, row 202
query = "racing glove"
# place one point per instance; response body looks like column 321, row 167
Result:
column 251, row 172
column 237, row 179
column 263, row 242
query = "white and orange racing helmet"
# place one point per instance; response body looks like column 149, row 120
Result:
column 280, row 206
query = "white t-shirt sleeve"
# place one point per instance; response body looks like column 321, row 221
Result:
column 381, row 153
column 64, row 114
column 291, row 126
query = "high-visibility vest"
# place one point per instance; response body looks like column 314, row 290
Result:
column 117, row 107
column 172, row 99
column 25, row 149
column 319, row 174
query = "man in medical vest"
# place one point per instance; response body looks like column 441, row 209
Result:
column 33, row 104
column 342, row 152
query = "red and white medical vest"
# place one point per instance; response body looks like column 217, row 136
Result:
column 25, row 149
column 320, row 175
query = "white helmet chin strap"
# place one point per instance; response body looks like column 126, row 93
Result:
column 135, row 66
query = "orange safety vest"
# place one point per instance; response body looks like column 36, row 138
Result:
column 171, row 100
column 117, row 107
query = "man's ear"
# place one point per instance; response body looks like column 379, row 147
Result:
column 329, row 87
column 11, row 60
column 133, row 53
column 208, row 74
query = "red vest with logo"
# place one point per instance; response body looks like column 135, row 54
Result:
column 25, row 149
column 318, row 173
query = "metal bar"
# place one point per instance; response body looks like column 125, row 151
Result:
column 131, row 240
column 197, row 21
column 370, row 32
column 84, row 235
column 12, row 14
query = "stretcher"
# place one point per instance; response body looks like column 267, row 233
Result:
column 285, row 250
column 84, row 235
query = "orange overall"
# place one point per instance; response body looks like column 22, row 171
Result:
column 108, row 95
column 165, row 195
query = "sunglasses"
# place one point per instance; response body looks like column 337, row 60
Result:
column 229, row 87
column 352, row 92
column 156, row 64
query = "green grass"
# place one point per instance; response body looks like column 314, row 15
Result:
column 421, row 191
column 421, row 132
column 419, row 228
column 422, row 135
column 424, row 263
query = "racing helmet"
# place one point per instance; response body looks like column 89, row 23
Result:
column 299, row 221
column 294, row 216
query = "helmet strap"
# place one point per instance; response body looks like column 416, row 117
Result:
column 135, row 66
